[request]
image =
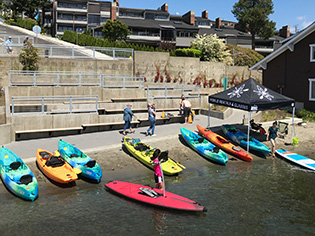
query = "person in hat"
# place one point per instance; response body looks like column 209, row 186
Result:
column 128, row 114
column 9, row 46
column 157, row 168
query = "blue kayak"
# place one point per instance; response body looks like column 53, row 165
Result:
column 297, row 159
column 241, row 138
column 78, row 159
column 204, row 147
column 16, row 175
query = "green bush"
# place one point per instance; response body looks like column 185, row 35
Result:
column 248, row 57
column 306, row 115
column 26, row 23
column 187, row 52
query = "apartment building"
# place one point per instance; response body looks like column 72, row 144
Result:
column 148, row 26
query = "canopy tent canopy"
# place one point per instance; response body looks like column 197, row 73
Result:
column 251, row 96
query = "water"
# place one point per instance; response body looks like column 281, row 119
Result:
column 266, row 197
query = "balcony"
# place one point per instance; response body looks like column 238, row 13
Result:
column 76, row 10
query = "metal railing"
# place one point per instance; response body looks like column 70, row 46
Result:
column 54, row 78
column 74, row 52
column 68, row 78
column 165, row 91
column 18, row 39
column 122, row 81
column 45, row 101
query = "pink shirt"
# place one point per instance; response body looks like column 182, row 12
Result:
column 157, row 167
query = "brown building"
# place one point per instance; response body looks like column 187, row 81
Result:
column 290, row 70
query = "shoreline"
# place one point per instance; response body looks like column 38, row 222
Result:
column 113, row 158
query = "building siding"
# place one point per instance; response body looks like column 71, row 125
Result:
column 290, row 72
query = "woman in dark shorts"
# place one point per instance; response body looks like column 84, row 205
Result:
column 187, row 109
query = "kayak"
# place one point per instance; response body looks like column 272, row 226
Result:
column 241, row 138
column 17, row 176
column 78, row 159
column 297, row 159
column 153, row 196
column 55, row 168
column 144, row 152
column 224, row 144
column 204, row 147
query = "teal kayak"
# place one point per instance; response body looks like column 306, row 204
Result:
column 204, row 147
column 17, row 176
column 78, row 159
column 241, row 138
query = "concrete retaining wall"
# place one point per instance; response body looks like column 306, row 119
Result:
column 110, row 67
column 6, row 134
column 187, row 68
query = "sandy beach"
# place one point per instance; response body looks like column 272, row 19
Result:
column 115, row 158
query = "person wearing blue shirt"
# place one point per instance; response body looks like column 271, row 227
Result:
column 271, row 136
column 128, row 114
column 9, row 46
column 152, row 114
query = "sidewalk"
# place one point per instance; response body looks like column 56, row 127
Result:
column 100, row 140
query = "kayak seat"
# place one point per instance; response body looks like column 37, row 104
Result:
column 15, row 165
column 236, row 149
column 232, row 130
column 90, row 163
column 150, row 192
column 222, row 140
column 55, row 162
column 74, row 155
column 216, row 149
column 200, row 140
column 26, row 179
column 141, row 147
column 44, row 155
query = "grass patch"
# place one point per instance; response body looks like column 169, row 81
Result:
column 306, row 115
column 215, row 107
column 274, row 115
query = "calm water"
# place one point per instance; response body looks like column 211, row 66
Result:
column 267, row 197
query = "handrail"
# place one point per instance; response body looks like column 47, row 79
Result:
column 57, row 51
column 166, row 88
column 61, row 78
column 44, row 99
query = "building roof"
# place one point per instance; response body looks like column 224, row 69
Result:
column 223, row 32
column 156, row 24
column 288, row 44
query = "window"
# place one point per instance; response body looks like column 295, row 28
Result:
column 312, row 89
column 312, row 53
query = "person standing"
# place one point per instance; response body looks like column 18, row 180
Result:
column 157, row 169
column 25, row 42
column 9, row 46
column 182, row 98
column 271, row 136
column 152, row 115
column 128, row 114
column 187, row 109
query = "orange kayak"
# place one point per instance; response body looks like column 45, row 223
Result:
column 224, row 144
column 55, row 168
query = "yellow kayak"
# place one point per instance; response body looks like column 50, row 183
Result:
column 143, row 153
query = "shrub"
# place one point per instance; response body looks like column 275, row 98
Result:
column 248, row 57
column 187, row 52
column 306, row 115
column 29, row 57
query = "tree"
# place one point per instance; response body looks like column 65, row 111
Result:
column 29, row 57
column 212, row 48
column 28, row 6
column 252, row 16
column 115, row 30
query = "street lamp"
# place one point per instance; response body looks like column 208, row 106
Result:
column 235, row 53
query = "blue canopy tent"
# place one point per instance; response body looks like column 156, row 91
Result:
column 252, row 96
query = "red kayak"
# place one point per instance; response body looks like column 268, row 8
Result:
column 224, row 144
column 153, row 196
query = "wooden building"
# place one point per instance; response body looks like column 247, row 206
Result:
column 290, row 70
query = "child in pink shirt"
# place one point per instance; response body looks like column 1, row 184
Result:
column 157, row 169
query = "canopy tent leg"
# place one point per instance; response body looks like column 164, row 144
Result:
column 292, row 131
column 208, row 116
column 248, row 129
